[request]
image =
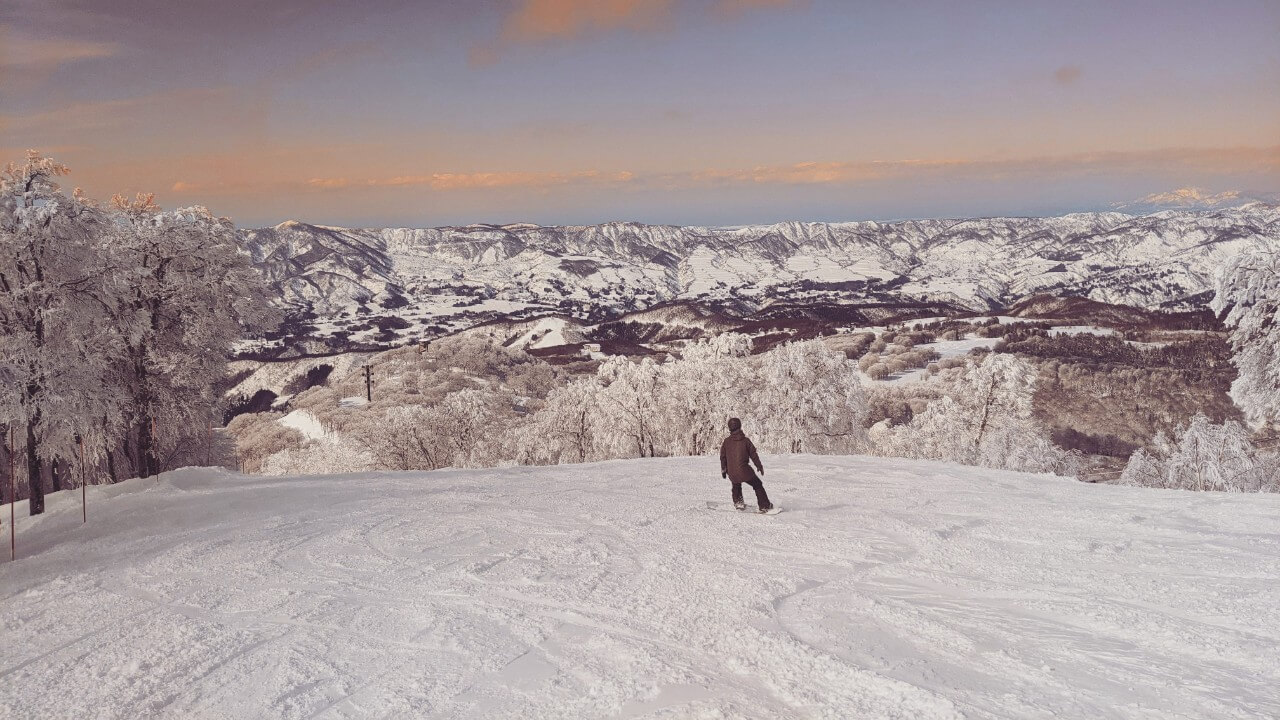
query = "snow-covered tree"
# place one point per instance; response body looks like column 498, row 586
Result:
column 630, row 407
column 259, row 436
column 798, row 397
column 999, row 390
column 808, row 398
column 458, row 431
column 1248, row 289
column 937, row 433
column 52, row 342
column 402, row 438
column 1204, row 456
column 1143, row 470
column 565, row 429
column 320, row 457
column 707, row 385
column 464, row 424
column 986, row 419
column 185, row 294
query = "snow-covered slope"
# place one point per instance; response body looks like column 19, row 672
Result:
column 439, row 279
column 887, row 589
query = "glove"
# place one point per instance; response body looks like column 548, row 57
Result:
column 724, row 475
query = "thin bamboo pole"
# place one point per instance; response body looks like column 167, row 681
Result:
column 13, row 500
column 84, row 493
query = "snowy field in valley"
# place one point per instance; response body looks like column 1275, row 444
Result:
column 886, row 589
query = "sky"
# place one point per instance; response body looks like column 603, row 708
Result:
column 705, row 112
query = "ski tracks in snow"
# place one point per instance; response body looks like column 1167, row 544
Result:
column 890, row 589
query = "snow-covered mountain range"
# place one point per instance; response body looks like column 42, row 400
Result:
column 392, row 285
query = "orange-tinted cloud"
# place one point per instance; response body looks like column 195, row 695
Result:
column 807, row 173
column 479, row 180
column 549, row 19
column 20, row 51
column 165, row 107
column 1204, row 160
column 1067, row 74
column 534, row 21
column 1219, row 161
column 737, row 7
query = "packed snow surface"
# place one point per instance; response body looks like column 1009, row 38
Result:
column 305, row 423
column 886, row 589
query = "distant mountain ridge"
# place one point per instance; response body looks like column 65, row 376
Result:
column 391, row 285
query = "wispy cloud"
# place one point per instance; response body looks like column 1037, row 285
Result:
column 19, row 51
column 479, row 180
column 187, row 103
column 1067, row 74
column 1204, row 161
column 737, row 7
column 548, row 19
column 1208, row 161
column 540, row 21
column 328, row 183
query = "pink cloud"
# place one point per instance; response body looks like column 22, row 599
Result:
column 1067, row 74
column 543, row 19
column 737, row 7
column 1208, row 162
column 46, row 53
column 534, row 21
column 479, row 180
column 328, row 183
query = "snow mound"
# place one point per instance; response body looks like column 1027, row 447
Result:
column 888, row 589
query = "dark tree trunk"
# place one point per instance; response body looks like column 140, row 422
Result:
column 111, row 466
column 56, row 470
column 130, row 451
column 35, row 491
column 149, row 463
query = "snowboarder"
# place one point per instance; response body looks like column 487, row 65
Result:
column 736, row 455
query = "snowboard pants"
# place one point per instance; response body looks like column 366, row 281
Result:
column 762, row 498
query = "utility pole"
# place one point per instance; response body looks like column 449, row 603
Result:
column 368, row 383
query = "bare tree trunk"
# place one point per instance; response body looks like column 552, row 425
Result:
column 131, row 453
column 148, row 463
column 986, row 416
column 35, row 491
column 111, row 466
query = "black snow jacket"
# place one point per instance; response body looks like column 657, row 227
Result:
column 736, row 454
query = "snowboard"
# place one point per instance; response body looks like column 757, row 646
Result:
column 750, row 509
